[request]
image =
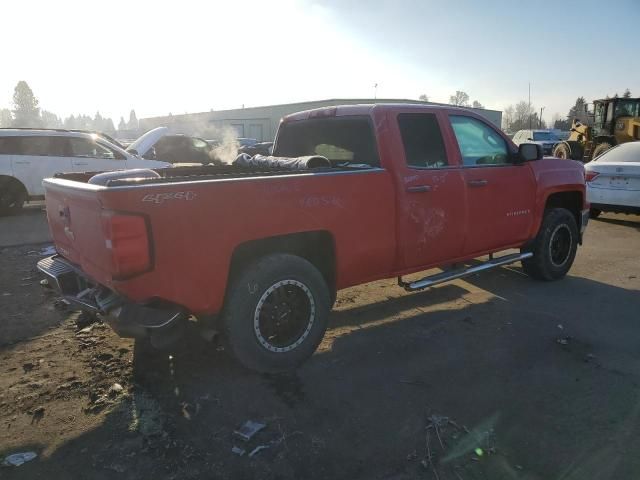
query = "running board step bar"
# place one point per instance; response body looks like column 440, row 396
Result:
column 446, row 276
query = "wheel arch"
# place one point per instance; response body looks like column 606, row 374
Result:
column 571, row 200
column 317, row 247
column 16, row 180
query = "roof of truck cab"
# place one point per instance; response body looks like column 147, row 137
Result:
column 366, row 109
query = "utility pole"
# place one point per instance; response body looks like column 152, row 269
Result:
column 529, row 105
column 375, row 91
column 541, row 109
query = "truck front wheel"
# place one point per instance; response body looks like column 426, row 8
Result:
column 276, row 313
column 555, row 246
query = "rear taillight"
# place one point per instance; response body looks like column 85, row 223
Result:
column 127, row 239
column 589, row 176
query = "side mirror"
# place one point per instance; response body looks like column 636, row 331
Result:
column 530, row 151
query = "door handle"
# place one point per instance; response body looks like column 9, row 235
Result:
column 419, row 189
column 23, row 163
column 477, row 183
column 82, row 163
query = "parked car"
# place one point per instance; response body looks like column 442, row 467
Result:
column 179, row 148
column 400, row 189
column 613, row 180
column 246, row 142
column 547, row 139
column 27, row 156
column 260, row 148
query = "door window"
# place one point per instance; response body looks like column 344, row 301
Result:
column 38, row 146
column 479, row 144
column 85, row 148
column 9, row 146
column 422, row 140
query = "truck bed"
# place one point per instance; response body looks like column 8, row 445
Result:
column 205, row 172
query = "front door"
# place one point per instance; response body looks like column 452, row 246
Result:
column 431, row 211
column 500, row 193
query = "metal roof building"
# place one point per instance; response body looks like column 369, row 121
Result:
column 262, row 123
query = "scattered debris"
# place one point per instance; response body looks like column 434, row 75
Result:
column 61, row 303
column 17, row 459
column 85, row 330
column 238, row 451
column 27, row 367
column 563, row 340
column 45, row 283
column 48, row 250
column 560, row 326
column 249, row 429
column 115, row 389
column 258, row 449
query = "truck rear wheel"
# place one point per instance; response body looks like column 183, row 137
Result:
column 555, row 246
column 276, row 313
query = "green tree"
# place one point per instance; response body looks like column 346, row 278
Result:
column 133, row 121
column 460, row 99
column 26, row 112
column 108, row 126
column 6, row 118
column 50, row 120
column 70, row 122
column 98, row 122
column 579, row 111
column 626, row 94
column 477, row 104
column 423, row 98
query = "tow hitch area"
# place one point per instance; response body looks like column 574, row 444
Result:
column 162, row 323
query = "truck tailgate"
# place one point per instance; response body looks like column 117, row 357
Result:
column 74, row 214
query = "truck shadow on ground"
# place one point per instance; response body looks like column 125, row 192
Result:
column 623, row 221
column 551, row 366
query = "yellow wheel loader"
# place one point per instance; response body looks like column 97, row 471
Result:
column 615, row 120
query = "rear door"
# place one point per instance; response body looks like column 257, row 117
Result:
column 431, row 206
column 500, row 194
column 89, row 155
column 38, row 157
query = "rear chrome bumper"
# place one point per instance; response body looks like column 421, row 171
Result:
column 127, row 319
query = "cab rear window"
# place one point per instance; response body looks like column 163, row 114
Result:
column 340, row 139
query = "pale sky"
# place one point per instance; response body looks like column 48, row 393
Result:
column 187, row 56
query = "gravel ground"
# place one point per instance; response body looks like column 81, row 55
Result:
column 494, row 377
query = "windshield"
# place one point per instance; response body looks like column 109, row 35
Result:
column 541, row 136
column 627, row 152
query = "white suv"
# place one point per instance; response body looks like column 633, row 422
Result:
column 27, row 156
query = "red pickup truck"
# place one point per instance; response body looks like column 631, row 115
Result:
column 263, row 250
